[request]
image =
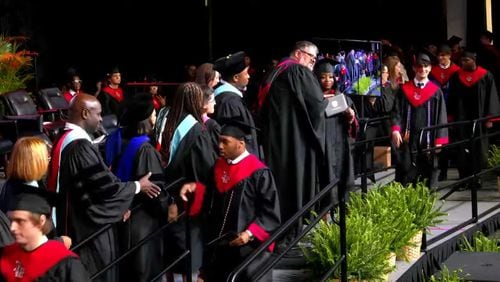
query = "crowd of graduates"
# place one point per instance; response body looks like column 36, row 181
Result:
column 233, row 159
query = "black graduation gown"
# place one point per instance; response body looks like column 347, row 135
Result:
column 5, row 235
column 213, row 129
column 339, row 164
column 93, row 197
column 467, row 101
column 148, row 215
column 418, row 102
column 67, row 269
column 382, row 106
column 248, row 199
column 110, row 106
column 193, row 160
column 292, row 122
column 228, row 105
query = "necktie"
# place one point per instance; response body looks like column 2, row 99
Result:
column 420, row 84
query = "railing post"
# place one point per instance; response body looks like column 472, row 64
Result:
column 189, row 265
column 343, row 235
column 362, row 137
column 474, row 179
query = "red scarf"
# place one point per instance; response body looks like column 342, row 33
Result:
column 469, row 78
column 228, row 175
column 19, row 265
column 117, row 93
column 443, row 75
column 418, row 96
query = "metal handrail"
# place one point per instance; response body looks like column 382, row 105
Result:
column 289, row 223
column 471, row 141
column 132, row 249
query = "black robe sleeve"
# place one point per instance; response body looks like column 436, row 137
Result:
column 148, row 159
column 268, row 210
column 69, row 269
column 93, row 187
column 5, row 235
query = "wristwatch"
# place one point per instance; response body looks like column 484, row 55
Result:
column 250, row 234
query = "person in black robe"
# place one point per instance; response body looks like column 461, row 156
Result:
column 473, row 94
column 5, row 236
column 111, row 95
column 229, row 96
column 440, row 75
column 131, row 152
column 212, row 127
column 374, row 107
column 340, row 130
column 419, row 103
column 242, row 209
column 33, row 256
column 92, row 195
column 292, row 122
column 189, row 154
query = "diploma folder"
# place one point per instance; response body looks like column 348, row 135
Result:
column 336, row 104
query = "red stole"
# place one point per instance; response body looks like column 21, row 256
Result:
column 55, row 162
column 469, row 78
column 443, row 75
column 228, row 175
column 19, row 265
column 117, row 93
column 418, row 96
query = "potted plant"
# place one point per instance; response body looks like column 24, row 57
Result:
column 480, row 243
column 15, row 67
column 388, row 210
column 367, row 252
column 494, row 161
column 445, row 275
column 423, row 204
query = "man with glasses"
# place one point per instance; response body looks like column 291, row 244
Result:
column 292, row 120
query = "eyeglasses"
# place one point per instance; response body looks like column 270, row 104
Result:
column 309, row 54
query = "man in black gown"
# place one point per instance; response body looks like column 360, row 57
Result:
column 292, row 119
column 32, row 256
column 92, row 195
column 473, row 94
column 229, row 96
column 242, row 209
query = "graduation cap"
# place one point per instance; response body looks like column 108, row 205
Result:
column 469, row 53
column 32, row 199
column 235, row 127
column 445, row 49
column 454, row 40
column 138, row 108
column 423, row 60
column 231, row 64
column 113, row 70
column 324, row 65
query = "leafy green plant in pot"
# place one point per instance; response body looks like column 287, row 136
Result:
column 367, row 251
column 480, row 243
column 424, row 204
column 388, row 210
column 494, row 160
column 15, row 67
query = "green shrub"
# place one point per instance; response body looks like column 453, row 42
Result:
column 480, row 243
column 367, row 252
column 448, row 276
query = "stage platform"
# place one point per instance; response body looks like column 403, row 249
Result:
column 458, row 208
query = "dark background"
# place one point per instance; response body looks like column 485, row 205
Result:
column 160, row 37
